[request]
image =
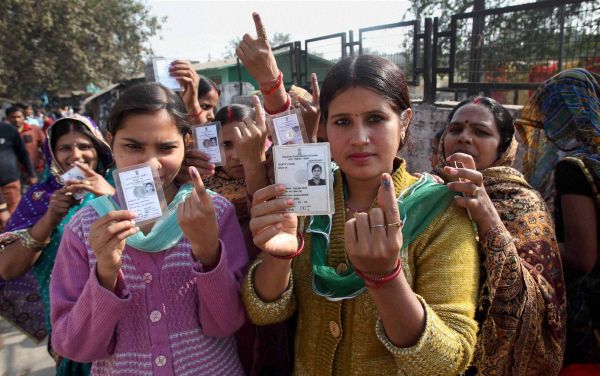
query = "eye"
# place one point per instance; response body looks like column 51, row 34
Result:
column 85, row 147
column 454, row 130
column 228, row 145
column 342, row 122
column 63, row 148
column 481, row 132
column 133, row 146
column 206, row 107
column 374, row 119
column 168, row 148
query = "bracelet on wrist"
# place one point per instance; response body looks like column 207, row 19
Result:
column 283, row 108
column 272, row 85
column 29, row 242
column 3, row 207
column 295, row 254
column 376, row 282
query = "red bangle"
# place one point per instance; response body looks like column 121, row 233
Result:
column 196, row 114
column 274, row 85
column 379, row 281
column 295, row 254
column 283, row 108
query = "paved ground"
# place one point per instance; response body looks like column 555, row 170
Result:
column 20, row 356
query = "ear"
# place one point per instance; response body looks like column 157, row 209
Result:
column 405, row 119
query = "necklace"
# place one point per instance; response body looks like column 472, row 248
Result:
column 355, row 210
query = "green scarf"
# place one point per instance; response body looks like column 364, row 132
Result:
column 166, row 231
column 419, row 204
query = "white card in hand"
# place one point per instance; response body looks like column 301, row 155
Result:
column 162, row 76
column 74, row 174
column 305, row 170
column 139, row 189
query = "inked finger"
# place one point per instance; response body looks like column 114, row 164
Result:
column 316, row 92
column 260, row 28
column 465, row 159
column 386, row 200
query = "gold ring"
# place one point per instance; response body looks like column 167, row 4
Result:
column 395, row 224
column 476, row 191
column 377, row 226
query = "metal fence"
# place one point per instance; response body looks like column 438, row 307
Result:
column 505, row 50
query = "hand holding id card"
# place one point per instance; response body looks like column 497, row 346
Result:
column 287, row 129
column 140, row 190
column 208, row 139
column 74, row 174
column 305, row 170
column 160, row 68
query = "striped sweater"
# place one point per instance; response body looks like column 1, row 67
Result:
column 165, row 317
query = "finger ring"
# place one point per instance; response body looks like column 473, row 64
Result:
column 373, row 226
column 396, row 224
column 476, row 191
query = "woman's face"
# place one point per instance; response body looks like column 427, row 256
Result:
column 233, row 167
column 75, row 147
column 472, row 130
column 208, row 102
column 316, row 173
column 152, row 138
column 364, row 132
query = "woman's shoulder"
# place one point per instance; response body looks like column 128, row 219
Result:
column 83, row 219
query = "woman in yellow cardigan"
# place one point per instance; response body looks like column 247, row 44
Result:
column 388, row 284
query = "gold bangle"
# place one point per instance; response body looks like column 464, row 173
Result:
column 29, row 242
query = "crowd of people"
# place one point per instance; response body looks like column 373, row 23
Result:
column 464, row 270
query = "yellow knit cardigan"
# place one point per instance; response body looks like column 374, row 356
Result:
column 347, row 338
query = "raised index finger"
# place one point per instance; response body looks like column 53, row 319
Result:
column 199, row 187
column 315, row 89
column 260, row 28
column 386, row 200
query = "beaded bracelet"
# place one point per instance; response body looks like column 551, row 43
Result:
column 295, row 254
column 29, row 242
column 275, row 84
column 379, row 281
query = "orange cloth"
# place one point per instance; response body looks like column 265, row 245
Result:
column 34, row 139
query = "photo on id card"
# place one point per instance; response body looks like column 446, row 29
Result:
column 287, row 128
column 162, row 76
column 140, row 190
column 305, row 170
column 208, row 139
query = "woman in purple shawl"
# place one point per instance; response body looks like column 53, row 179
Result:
column 29, row 245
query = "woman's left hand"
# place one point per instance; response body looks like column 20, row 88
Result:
column 187, row 77
column 198, row 221
column 373, row 240
column 93, row 182
column 250, row 136
column 311, row 111
column 475, row 198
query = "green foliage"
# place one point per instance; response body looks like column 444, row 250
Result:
column 63, row 45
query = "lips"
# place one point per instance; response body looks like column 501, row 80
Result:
column 360, row 156
column 464, row 151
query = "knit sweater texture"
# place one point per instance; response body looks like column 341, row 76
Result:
column 166, row 316
column 347, row 337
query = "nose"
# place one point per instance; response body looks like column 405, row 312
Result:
column 211, row 115
column 360, row 134
column 465, row 136
column 77, row 154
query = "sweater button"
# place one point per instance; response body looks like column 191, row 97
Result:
column 334, row 329
column 341, row 268
column 155, row 316
column 160, row 360
column 147, row 277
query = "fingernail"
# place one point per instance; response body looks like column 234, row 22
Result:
column 385, row 180
column 132, row 222
column 136, row 229
column 452, row 171
column 285, row 215
column 193, row 171
column 281, row 187
column 289, row 202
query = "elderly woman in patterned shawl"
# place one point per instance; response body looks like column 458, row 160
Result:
column 34, row 231
column 522, row 302
column 566, row 111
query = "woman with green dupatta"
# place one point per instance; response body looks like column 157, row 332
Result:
column 35, row 229
column 387, row 284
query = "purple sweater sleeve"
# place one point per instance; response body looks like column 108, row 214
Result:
column 221, row 310
column 84, row 314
